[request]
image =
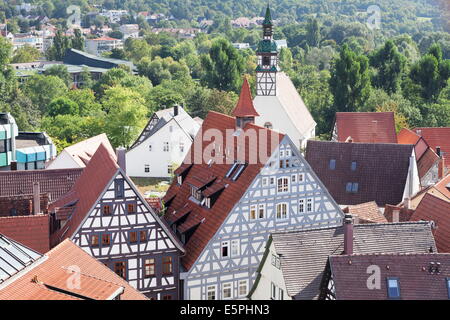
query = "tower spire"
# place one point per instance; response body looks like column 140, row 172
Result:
column 245, row 111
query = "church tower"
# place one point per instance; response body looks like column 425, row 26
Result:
column 267, row 54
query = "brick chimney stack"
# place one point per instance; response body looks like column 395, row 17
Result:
column 348, row 234
column 36, row 198
column 396, row 215
column 121, row 158
column 441, row 168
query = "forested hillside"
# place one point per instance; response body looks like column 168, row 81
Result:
column 336, row 62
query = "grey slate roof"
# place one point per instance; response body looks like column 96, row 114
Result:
column 381, row 170
column 304, row 254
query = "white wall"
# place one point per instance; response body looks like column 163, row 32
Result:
column 158, row 160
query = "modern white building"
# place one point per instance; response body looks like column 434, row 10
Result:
column 103, row 44
column 277, row 101
column 163, row 144
column 129, row 30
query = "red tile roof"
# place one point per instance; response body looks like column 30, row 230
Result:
column 211, row 219
column 54, row 182
column 31, row 231
column 46, row 280
column 366, row 212
column 443, row 186
column 428, row 160
column 95, row 178
column 406, row 136
column 404, row 214
column 435, row 209
column 417, row 281
column 368, row 127
column 245, row 107
column 437, row 137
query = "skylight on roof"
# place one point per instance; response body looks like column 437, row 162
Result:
column 239, row 171
column 233, row 166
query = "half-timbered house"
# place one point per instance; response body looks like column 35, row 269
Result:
column 106, row 216
column 238, row 183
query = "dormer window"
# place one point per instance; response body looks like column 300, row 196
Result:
column 332, row 164
column 180, row 180
column 393, row 288
column 197, row 194
column 353, row 166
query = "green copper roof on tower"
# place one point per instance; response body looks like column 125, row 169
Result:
column 268, row 17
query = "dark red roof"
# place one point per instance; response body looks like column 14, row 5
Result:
column 437, row 137
column 428, row 159
column 54, row 182
column 245, row 107
column 31, row 231
column 381, row 170
column 432, row 208
column 207, row 221
column 416, row 280
column 95, row 178
column 367, row 127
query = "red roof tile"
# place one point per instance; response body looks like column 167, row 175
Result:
column 413, row 271
column 245, row 107
column 54, row 182
column 406, row 136
column 435, row 209
column 96, row 280
column 367, row 127
column 214, row 217
column 366, row 212
column 437, row 137
column 31, row 231
column 443, row 186
column 428, row 159
column 95, row 178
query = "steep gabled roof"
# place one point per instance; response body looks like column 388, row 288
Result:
column 417, row 281
column 443, row 187
column 426, row 162
column 83, row 151
column 204, row 222
column 432, row 208
column 244, row 107
column 437, row 137
column 381, row 170
column 48, row 276
column 366, row 127
column 54, row 182
column 31, row 231
column 407, row 136
column 97, row 175
column 304, row 254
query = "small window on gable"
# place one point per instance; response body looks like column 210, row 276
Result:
column 131, row 207
column 106, row 239
column 146, row 168
column 94, row 240
column 106, row 209
column 393, row 287
column 294, row 178
column 301, row 177
column 301, row 206
column 119, row 188
column 332, row 164
column 165, row 147
column 133, row 236
column 225, row 249
column 348, row 188
column 261, row 211
column 309, row 205
column 142, row 236
column 268, row 125
column 150, row 147
column 264, row 182
column 252, row 212
column 353, row 167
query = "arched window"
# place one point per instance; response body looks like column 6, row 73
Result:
column 268, row 125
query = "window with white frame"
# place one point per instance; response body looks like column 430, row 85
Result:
column 243, row 288
column 150, row 147
column 280, row 294
column 253, row 212
column 273, row 291
column 181, row 146
column 283, row 184
column 235, row 248
column 281, row 153
column 169, row 169
column 282, row 211
column 288, row 152
column 294, row 178
column 309, row 205
column 211, row 293
column 166, row 147
column 227, row 290
column 272, row 181
column 276, row 261
column 146, row 168
column 264, row 182
column 301, row 205
column 225, row 249
column 301, row 177
column 261, row 211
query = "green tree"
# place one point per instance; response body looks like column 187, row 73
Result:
column 43, row 89
column 223, row 66
column 60, row 71
column 59, row 47
column 313, row 33
column 62, row 105
column 25, row 54
column 78, row 40
column 390, row 66
column 350, row 81
column 126, row 115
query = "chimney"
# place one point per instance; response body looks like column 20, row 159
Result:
column 396, row 215
column 348, row 234
column 441, row 168
column 36, row 198
column 175, row 110
column 374, row 130
column 438, row 151
column 121, row 158
column 407, row 203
